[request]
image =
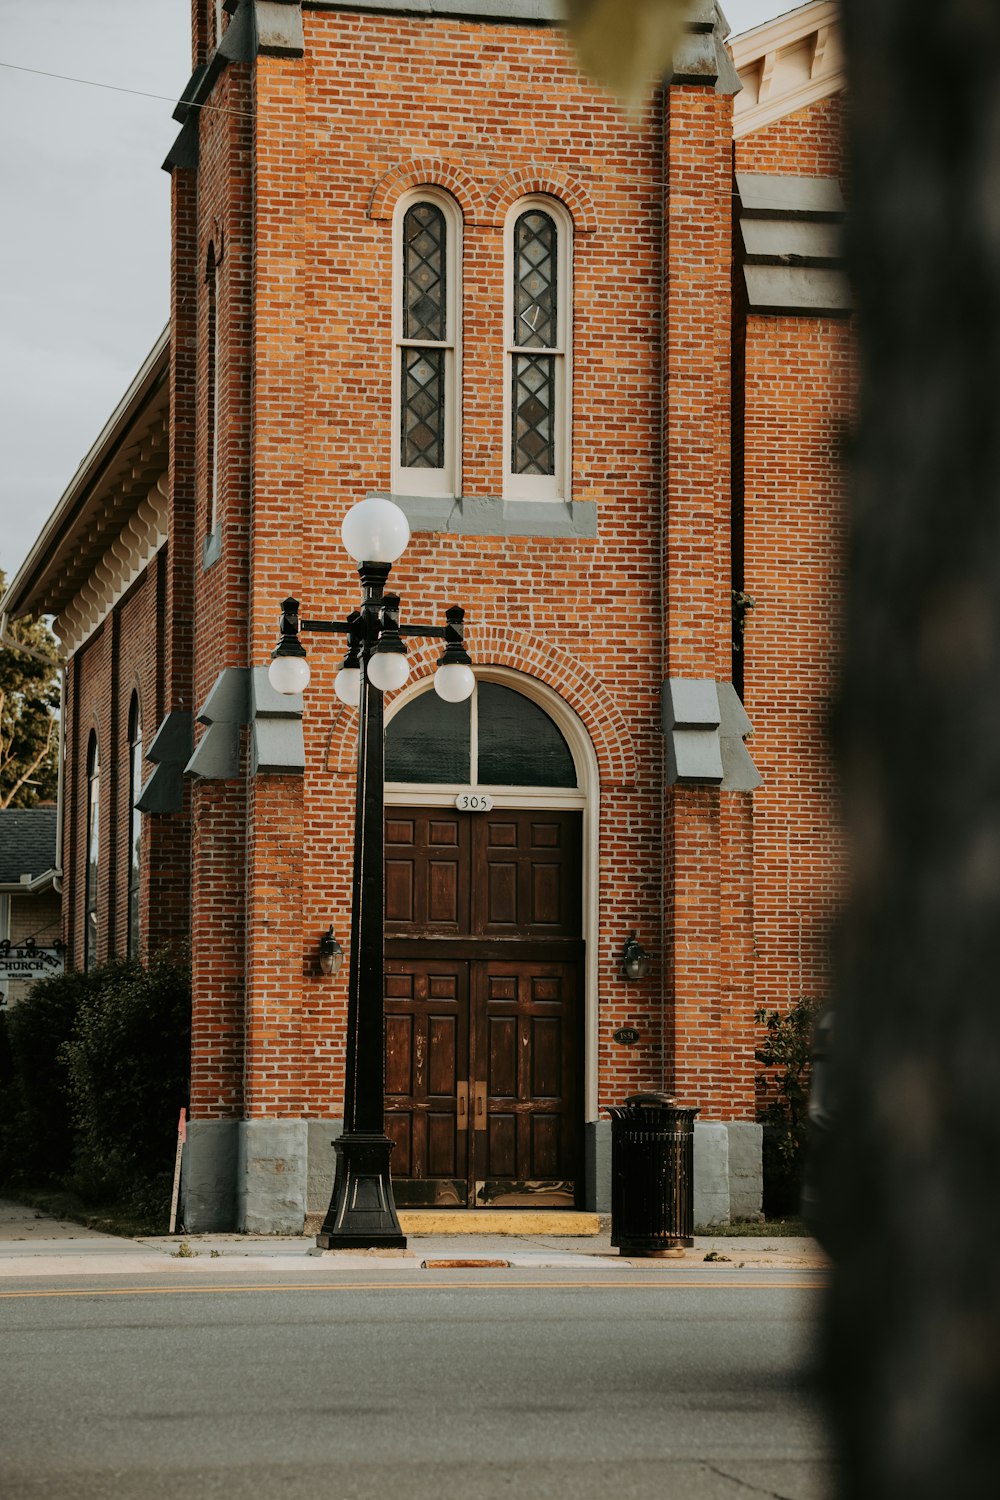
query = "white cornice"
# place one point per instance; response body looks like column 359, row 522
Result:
column 135, row 546
column 787, row 64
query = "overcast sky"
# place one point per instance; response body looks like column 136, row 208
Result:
column 85, row 243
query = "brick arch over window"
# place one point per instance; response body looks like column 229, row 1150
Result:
column 493, row 647
column 426, row 171
column 529, row 180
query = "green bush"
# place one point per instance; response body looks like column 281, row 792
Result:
column 36, row 1139
column 128, row 1066
column 782, row 1082
column 94, row 1068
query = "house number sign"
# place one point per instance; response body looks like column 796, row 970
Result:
column 627, row 1035
column 474, row 802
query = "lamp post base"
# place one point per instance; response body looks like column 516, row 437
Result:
column 362, row 1214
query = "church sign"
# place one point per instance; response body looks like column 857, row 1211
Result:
column 28, row 962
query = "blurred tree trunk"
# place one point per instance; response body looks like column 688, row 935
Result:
column 914, row 1314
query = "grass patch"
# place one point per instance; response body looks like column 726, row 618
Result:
column 124, row 1219
column 767, row 1229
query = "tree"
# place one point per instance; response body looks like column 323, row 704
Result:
column 29, row 704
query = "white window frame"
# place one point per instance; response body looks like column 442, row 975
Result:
column 555, row 486
column 133, row 882
column 446, row 481
column 92, row 869
column 214, row 282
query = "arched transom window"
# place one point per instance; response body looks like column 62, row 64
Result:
column 497, row 738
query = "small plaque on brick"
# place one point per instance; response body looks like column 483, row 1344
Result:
column 627, row 1035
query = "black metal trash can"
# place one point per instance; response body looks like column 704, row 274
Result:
column 652, row 1175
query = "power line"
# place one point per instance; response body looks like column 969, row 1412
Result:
column 115, row 88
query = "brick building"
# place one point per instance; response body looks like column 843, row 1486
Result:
column 603, row 365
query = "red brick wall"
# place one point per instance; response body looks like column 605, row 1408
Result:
column 221, row 220
column 487, row 112
column 809, row 143
column 798, row 408
column 120, row 658
column 504, row 100
column 706, row 832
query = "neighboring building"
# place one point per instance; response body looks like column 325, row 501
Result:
column 419, row 255
column 30, row 908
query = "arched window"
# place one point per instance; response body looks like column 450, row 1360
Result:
column 497, row 738
column 539, row 324
column 93, row 852
column 135, row 824
column 427, row 240
column 212, row 395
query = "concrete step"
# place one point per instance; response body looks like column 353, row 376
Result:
column 490, row 1221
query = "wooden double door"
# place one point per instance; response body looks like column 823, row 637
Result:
column 483, row 1009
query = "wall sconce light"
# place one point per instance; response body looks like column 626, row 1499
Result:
column 635, row 959
column 331, row 954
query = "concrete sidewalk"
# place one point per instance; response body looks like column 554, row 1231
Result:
column 32, row 1244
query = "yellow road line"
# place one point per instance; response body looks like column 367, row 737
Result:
column 431, row 1286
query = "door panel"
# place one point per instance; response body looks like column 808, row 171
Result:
column 526, row 875
column 525, row 1025
column 483, row 1010
column 426, row 872
column 427, row 1045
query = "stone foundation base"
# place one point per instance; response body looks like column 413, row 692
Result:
column 256, row 1176
column 264, row 1176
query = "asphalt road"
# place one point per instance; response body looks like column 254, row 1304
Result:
column 475, row 1385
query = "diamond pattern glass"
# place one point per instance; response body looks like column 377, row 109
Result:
column 535, row 281
column 533, row 410
column 422, row 435
column 424, row 251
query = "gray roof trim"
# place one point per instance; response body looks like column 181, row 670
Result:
column 790, row 245
column 37, row 887
column 808, row 291
column 768, row 195
column 801, row 242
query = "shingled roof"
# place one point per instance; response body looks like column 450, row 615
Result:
column 27, row 843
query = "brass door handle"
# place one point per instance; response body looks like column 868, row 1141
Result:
column 480, row 1095
column 462, row 1123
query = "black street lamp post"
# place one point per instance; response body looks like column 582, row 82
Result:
column 362, row 1213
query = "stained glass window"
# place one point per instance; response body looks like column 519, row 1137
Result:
column 425, row 321
column 535, row 281
column 533, row 395
column 423, row 408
